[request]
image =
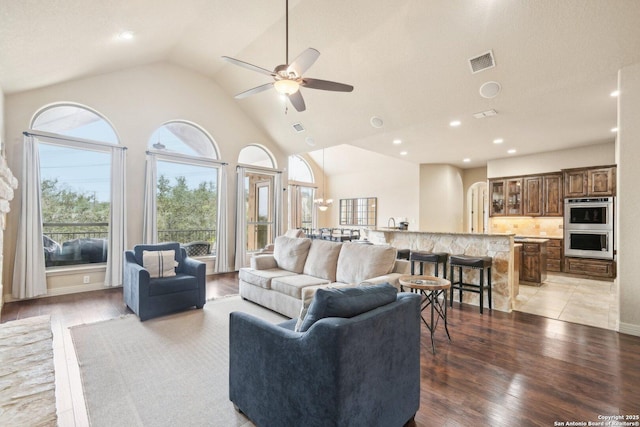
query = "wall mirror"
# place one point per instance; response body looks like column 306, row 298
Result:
column 360, row 211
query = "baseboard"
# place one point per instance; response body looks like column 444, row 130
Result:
column 65, row 291
column 629, row 328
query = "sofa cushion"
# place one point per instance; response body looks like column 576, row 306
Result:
column 347, row 302
column 322, row 260
column 293, row 285
column 307, row 294
column 169, row 285
column 262, row 278
column 357, row 262
column 291, row 253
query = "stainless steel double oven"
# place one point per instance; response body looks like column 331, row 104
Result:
column 588, row 227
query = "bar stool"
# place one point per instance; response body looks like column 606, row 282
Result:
column 403, row 254
column 436, row 258
column 482, row 263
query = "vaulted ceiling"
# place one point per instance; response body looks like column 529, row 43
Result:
column 556, row 62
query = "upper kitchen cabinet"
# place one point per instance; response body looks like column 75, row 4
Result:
column 497, row 191
column 552, row 201
column 586, row 182
column 514, row 196
column 532, row 195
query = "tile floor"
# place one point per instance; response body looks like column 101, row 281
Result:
column 577, row 300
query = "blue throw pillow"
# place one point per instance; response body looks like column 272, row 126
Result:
column 347, row 302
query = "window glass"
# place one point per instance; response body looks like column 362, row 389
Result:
column 74, row 121
column 299, row 170
column 256, row 156
column 75, row 185
column 183, row 138
column 187, row 205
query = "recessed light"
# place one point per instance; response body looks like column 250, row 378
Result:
column 467, row 160
column 403, row 153
column 511, row 151
column 310, row 141
column 614, row 130
column 615, row 93
column 498, row 141
column 125, row 35
column 397, row 141
column 455, row 123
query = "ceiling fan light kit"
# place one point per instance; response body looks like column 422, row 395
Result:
column 288, row 78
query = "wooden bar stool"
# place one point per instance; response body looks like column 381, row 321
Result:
column 436, row 258
column 482, row 263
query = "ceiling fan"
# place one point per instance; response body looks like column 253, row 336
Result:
column 288, row 78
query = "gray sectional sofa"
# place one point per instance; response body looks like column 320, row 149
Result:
column 286, row 280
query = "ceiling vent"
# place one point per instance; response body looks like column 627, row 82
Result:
column 298, row 127
column 483, row 114
column 482, row 62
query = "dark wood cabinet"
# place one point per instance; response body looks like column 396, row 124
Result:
column 552, row 200
column 554, row 255
column 534, row 262
column 532, row 195
column 497, row 193
column 585, row 182
column 590, row 267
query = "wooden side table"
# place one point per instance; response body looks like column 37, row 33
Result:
column 430, row 288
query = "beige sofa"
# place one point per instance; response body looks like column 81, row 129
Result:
column 286, row 280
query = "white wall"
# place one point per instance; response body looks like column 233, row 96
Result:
column 553, row 161
column 137, row 101
column 628, row 174
column 2, row 136
column 441, row 198
column 394, row 182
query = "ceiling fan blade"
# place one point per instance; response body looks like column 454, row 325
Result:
column 326, row 85
column 248, row 66
column 255, row 90
column 303, row 62
column 297, row 101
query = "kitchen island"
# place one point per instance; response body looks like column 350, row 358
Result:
column 497, row 246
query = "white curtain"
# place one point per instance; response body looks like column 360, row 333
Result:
column 222, row 238
column 241, row 219
column 117, row 218
column 150, row 224
column 278, row 204
column 29, row 278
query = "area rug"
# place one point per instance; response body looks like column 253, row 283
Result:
column 167, row 371
column 27, row 379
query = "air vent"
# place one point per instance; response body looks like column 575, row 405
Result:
column 298, row 127
column 482, row 62
column 483, row 114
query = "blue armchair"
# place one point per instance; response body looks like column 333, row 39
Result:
column 357, row 371
column 150, row 297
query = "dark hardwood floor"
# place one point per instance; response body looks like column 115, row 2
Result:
column 501, row 369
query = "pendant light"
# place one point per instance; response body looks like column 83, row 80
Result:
column 321, row 203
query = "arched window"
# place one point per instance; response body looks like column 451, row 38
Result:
column 73, row 195
column 256, row 155
column 301, row 194
column 259, row 186
column 75, row 183
column 183, row 180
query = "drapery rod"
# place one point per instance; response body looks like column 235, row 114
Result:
column 258, row 168
column 62, row 138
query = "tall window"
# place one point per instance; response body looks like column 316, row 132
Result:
column 75, row 184
column 186, row 186
column 301, row 194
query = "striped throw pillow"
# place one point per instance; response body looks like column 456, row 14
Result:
column 160, row 263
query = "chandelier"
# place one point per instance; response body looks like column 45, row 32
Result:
column 321, row 203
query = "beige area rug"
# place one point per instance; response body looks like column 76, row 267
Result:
column 168, row 371
column 27, row 379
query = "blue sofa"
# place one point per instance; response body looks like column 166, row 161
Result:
column 357, row 371
column 149, row 297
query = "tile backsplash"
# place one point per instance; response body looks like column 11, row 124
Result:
column 527, row 226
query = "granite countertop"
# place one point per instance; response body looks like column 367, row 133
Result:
column 444, row 233
column 525, row 236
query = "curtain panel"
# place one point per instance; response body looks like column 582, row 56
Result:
column 117, row 237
